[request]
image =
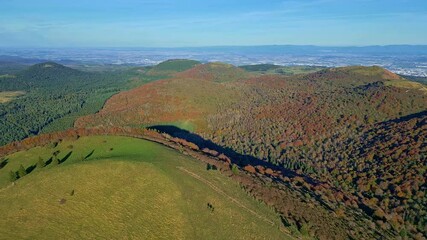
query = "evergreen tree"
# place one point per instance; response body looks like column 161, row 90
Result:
column 22, row 172
column 41, row 163
column 12, row 176
column 55, row 160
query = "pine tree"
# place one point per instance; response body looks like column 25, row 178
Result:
column 55, row 160
column 41, row 163
column 12, row 176
column 22, row 172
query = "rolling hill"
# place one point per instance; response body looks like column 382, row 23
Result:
column 121, row 187
column 171, row 67
column 56, row 95
column 310, row 124
column 336, row 153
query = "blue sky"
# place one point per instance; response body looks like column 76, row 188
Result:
column 168, row 23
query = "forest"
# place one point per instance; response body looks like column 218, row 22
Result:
column 354, row 129
column 351, row 139
column 56, row 95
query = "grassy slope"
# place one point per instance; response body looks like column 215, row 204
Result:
column 9, row 96
column 283, row 70
column 133, row 191
column 170, row 67
column 289, row 121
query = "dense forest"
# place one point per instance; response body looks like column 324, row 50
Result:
column 55, row 95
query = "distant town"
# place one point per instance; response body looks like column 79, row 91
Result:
column 404, row 60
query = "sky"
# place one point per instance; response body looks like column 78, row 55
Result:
column 191, row 23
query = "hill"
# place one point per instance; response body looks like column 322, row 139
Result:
column 55, row 95
column 298, row 123
column 114, row 187
column 172, row 66
column 216, row 72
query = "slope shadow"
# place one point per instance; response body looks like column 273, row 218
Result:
column 240, row 160
column 407, row 117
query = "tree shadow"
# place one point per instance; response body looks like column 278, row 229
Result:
column 49, row 161
column 30, row 168
column 240, row 160
column 66, row 157
column 408, row 117
column 4, row 163
column 90, row 154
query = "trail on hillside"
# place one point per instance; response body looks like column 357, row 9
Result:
column 218, row 190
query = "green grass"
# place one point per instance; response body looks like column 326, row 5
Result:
column 7, row 76
column 128, row 188
column 172, row 66
column 407, row 84
column 9, row 96
column 283, row 70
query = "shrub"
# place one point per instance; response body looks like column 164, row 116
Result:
column 234, row 169
column 304, row 229
column 53, row 144
column 403, row 233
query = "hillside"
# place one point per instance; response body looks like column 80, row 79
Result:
column 55, row 95
column 298, row 123
column 171, row 67
column 114, row 187
column 216, row 72
column 283, row 70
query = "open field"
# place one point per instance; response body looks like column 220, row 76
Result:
column 119, row 187
column 9, row 96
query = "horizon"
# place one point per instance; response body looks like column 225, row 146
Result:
column 189, row 23
column 215, row 46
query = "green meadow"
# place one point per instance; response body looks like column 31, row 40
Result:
column 108, row 187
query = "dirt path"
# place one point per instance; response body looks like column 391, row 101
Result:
column 235, row 201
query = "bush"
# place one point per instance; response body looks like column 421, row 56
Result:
column 403, row 233
column 305, row 229
column 234, row 169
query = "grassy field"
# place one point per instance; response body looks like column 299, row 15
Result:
column 172, row 66
column 7, row 76
column 9, row 96
column 407, row 84
column 283, row 70
column 124, row 188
